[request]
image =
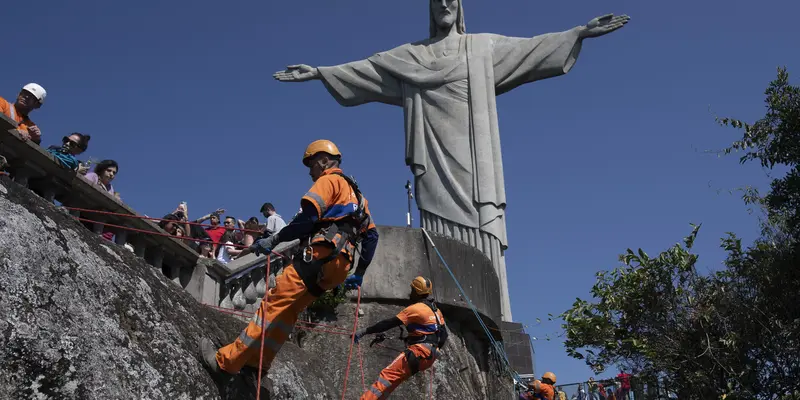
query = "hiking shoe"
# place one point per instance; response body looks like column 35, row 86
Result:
column 208, row 355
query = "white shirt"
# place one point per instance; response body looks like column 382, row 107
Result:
column 223, row 256
column 275, row 223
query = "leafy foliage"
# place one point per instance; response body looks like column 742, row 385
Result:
column 328, row 302
column 732, row 334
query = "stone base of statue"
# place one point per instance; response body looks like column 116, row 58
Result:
column 486, row 243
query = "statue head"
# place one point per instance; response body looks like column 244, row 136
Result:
column 445, row 13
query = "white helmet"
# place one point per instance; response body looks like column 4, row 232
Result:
column 36, row 90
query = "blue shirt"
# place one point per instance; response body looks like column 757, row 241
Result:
column 67, row 160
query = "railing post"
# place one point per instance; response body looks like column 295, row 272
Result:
column 139, row 246
column 49, row 193
column 21, row 176
column 175, row 274
column 158, row 258
column 121, row 237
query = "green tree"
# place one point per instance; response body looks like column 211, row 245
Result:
column 733, row 333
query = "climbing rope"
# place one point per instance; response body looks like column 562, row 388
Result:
column 187, row 238
column 496, row 345
column 361, row 365
column 86, row 210
column 430, row 389
column 263, row 326
column 350, row 355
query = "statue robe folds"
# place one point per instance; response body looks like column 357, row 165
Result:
column 452, row 134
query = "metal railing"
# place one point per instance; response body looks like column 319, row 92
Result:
column 615, row 390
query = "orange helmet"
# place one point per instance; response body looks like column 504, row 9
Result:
column 320, row 146
column 549, row 376
column 535, row 385
column 421, row 286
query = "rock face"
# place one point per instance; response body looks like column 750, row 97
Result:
column 82, row 318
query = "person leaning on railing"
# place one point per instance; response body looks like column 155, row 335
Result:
column 104, row 173
column 29, row 98
column 71, row 146
column 250, row 229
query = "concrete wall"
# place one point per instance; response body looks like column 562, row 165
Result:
column 404, row 253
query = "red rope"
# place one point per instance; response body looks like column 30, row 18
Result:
column 127, row 228
column 263, row 334
column 305, row 328
column 361, row 365
column 430, row 390
column 324, row 325
column 322, row 330
column 191, row 239
column 228, row 311
column 350, row 355
column 155, row 219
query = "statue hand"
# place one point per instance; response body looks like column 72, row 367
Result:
column 603, row 25
column 297, row 73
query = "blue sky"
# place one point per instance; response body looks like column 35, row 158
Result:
column 610, row 156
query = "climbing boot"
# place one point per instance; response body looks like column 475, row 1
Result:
column 208, row 356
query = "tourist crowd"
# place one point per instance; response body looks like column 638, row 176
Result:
column 223, row 242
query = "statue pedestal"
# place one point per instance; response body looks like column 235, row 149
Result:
column 404, row 253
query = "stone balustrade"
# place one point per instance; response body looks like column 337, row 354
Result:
column 241, row 284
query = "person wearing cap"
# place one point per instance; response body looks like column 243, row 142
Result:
column 427, row 334
column 335, row 218
column 30, row 98
column 71, row 146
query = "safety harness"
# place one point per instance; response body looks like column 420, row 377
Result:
column 432, row 340
column 342, row 234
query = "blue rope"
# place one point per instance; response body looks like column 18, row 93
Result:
column 497, row 347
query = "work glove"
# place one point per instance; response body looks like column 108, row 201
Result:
column 264, row 246
column 358, row 336
column 353, row 282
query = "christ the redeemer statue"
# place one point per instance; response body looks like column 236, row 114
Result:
column 446, row 85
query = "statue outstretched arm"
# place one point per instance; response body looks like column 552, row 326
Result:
column 297, row 73
column 517, row 61
column 351, row 84
column 602, row 25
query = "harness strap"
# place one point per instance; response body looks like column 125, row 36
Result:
column 311, row 272
column 13, row 111
column 431, row 340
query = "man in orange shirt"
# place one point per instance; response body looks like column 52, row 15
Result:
column 542, row 390
column 335, row 217
column 427, row 334
column 30, row 98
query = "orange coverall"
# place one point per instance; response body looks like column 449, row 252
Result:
column 419, row 320
column 23, row 122
column 333, row 198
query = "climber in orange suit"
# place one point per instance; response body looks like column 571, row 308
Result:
column 541, row 390
column 334, row 219
column 426, row 335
